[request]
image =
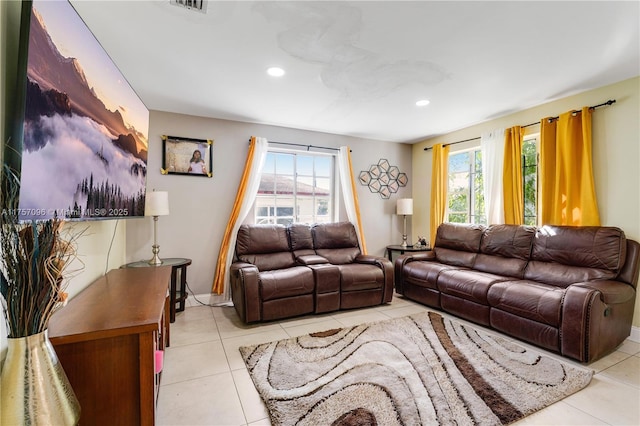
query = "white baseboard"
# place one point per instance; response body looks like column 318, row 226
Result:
column 212, row 299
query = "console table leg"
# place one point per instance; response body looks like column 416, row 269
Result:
column 183, row 288
column 172, row 308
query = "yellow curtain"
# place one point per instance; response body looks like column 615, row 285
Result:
column 512, row 176
column 439, row 179
column 568, row 195
column 221, row 270
column 356, row 204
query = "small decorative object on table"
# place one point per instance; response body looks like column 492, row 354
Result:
column 422, row 243
column 35, row 388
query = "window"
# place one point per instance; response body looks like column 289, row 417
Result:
column 296, row 188
column 530, row 180
column 466, row 192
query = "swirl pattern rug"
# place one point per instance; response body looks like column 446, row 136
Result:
column 418, row 370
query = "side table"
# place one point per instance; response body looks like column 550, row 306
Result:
column 402, row 250
column 177, row 294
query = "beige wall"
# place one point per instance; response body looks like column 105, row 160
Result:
column 200, row 207
column 616, row 155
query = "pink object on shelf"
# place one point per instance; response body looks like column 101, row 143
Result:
column 159, row 361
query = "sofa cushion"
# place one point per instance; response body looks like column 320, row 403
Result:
column 528, row 299
column 590, row 247
column 334, row 235
column 508, row 267
column 512, row 241
column 357, row 276
column 339, row 256
column 337, row 242
column 458, row 244
column 300, row 239
column 468, row 284
column 265, row 246
column 424, row 274
column 462, row 237
column 563, row 275
column 286, row 282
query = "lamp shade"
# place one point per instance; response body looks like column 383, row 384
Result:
column 404, row 206
column 156, row 203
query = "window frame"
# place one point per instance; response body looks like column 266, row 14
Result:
column 295, row 217
column 526, row 139
column 475, row 169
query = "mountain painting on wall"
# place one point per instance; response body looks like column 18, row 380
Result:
column 84, row 151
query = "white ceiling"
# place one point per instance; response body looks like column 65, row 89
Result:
column 357, row 68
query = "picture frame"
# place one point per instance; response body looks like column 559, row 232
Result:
column 187, row 156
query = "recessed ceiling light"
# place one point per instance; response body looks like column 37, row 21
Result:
column 422, row 102
column 275, row 72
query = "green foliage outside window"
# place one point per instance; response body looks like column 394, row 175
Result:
column 466, row 193
column 530, row 181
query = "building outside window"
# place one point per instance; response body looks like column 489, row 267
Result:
column 296, row 188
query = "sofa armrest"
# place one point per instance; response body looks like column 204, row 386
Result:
column 403, row 260
column 245, row 291
column 387, row 269
column 235, row 266
column 596, row 318
column 611, row 292
column 311, row 259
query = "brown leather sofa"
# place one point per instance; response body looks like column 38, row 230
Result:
column 570, row 290
column 281, row 272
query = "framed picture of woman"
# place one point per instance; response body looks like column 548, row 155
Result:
column 187, row 156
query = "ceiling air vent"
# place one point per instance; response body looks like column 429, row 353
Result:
column 195, row 5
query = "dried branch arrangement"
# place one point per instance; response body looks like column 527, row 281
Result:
column 33, row 260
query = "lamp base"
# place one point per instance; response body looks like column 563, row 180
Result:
column 404, row 234
column 155, row 260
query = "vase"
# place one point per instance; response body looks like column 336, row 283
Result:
column 34, row 387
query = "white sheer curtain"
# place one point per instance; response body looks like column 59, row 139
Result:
column 252, row 185
column 349, row 193
column 492, row 146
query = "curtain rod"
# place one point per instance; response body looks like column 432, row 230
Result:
column 609, row 102
column 307, row 146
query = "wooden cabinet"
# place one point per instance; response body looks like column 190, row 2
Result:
column 106, row 339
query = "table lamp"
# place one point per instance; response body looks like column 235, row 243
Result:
column 156, row 204
column 404, row 207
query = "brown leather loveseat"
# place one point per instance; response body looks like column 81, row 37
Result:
column 281, row 272
column 570, row 290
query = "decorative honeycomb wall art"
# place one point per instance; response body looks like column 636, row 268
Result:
column 383, row 178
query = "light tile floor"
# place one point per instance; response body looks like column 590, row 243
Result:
column 205, row 381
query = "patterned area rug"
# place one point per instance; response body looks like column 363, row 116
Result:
column 421, row 369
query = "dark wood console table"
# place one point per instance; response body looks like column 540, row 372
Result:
column 106, row 339
column 178, row 294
